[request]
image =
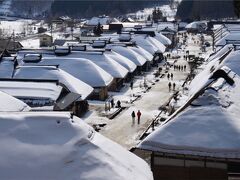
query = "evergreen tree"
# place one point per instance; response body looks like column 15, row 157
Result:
column 98, row 30
column 236, row 4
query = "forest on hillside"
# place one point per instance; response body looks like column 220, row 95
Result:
column 198, row 10
column 95, row 8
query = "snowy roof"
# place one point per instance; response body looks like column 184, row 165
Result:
column 25, row 89
column 11, row 104
column 195, row 25
column 220, row 52
column 49, row 72
column 128, row 53
column 54, row 145
column 102, row 20
column 148, row 43
column 7, row 67
column 208, row 127
column 232, row 37
column 83, row 69
column 106, row 63
column 125, row 62
column 163, row 39
column 148, row 56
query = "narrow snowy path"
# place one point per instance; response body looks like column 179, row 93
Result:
column 123, row 131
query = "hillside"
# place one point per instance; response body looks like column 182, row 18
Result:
column 196, row 9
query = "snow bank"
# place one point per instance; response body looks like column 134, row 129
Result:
column 55, row 146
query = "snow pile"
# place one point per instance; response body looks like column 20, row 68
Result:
column 11, row 104
column 55, row 146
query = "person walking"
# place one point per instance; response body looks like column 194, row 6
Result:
column 139, row 116
column 168, row 76
column 131, row 85
column 171, row 76
column 174, row 86
column 119, row 104
column 169, row 86
column 133, row 117
column 112, row 103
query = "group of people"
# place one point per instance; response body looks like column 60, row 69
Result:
column 171, row 86
column 170, row 76
column 118, row 103
column 180, row 67
column 138, row 117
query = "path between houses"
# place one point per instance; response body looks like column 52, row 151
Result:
column 123, row 131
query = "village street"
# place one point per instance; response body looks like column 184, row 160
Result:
column 121, row 129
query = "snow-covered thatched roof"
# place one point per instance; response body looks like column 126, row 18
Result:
column 208, row 127
column 26, row 89
column 163, row 39
column 208, row 124
column 11, row 104
column 82, row 69
column 139, row 50
column 125, row 62
column 50, row 72
column 112, row 67
column 148, row 43
column 54, row 145
column 231, row 37
column 128, row 53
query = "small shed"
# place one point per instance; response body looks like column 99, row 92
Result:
column 45, row 40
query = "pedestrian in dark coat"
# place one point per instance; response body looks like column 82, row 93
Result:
column 131, row 85
column 168, row 76
column 174, row 86
column 118, row 104
column 133, row 117
column 171, row 76
column 169, row 86
column 112, row 103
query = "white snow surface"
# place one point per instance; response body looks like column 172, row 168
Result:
column 210, row 129
column 106, row 63
column 163, row 39
column 31, row 89
column 11, row 104
column 52, row 73
column 128, row 53
column 83, row 69
column 148, row 43
column 231, row 36
column 125, row 62
column 51, row 145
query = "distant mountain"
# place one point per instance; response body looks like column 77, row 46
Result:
column 75, row 8
column 94, row 8
column 203, row 9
